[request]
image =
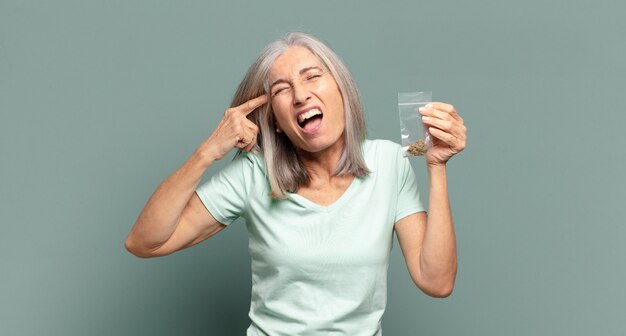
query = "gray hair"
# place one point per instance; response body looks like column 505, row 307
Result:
column 284, row 168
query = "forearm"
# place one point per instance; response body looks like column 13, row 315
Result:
column 158, row 219
column 438, row 261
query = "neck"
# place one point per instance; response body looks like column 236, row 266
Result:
column 322, row 164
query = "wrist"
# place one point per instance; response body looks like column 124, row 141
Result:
column 437, row 173
column 204, row 155
column 438, row 178
column 436, row 166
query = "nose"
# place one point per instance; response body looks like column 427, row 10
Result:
column 300, row 94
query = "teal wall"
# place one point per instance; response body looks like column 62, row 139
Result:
column 101, row 101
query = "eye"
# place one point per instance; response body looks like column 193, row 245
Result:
column 311, row 77
column 279, row 90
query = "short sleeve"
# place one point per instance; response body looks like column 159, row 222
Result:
column 225, row 193
column 409, row 201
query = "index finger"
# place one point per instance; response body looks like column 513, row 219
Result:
column 252, row 104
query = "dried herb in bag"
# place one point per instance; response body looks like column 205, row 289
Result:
column 415, row 138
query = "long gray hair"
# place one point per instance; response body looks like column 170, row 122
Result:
column 284, row 168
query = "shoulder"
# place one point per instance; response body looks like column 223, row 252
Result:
column 381, row 149
column 384, row 144
column 249, row 158
column 382, row 156
column 247, row 161
column 244, row 165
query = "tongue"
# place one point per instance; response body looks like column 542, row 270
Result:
column 312, row 123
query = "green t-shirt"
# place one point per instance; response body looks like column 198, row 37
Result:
column 317, row 270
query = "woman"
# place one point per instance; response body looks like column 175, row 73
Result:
column 320, row 202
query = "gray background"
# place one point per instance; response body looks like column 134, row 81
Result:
column 101, row 101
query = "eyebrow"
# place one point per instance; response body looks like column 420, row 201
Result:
column 303, row 70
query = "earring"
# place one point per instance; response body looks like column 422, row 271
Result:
column 278, row 130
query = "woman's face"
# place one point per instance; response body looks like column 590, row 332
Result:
column 306, row 101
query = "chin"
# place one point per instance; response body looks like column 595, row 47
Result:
column 317, row 145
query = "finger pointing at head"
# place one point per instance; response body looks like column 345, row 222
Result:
column 252, row 104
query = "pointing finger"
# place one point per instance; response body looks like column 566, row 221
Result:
column 252, row 104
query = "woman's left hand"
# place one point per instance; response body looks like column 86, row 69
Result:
column 447, row 131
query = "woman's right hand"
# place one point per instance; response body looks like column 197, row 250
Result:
column 234, row 130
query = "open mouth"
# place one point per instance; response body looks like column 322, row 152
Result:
column 310, row 120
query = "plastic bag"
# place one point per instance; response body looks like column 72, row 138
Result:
column 415, row 139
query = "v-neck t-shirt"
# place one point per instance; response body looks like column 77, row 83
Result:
column 317, row 270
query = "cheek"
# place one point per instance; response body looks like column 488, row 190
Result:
column 330, row 89
column 279, row 112
column 335, row 102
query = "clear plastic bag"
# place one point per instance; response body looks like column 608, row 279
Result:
column 415, row 139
